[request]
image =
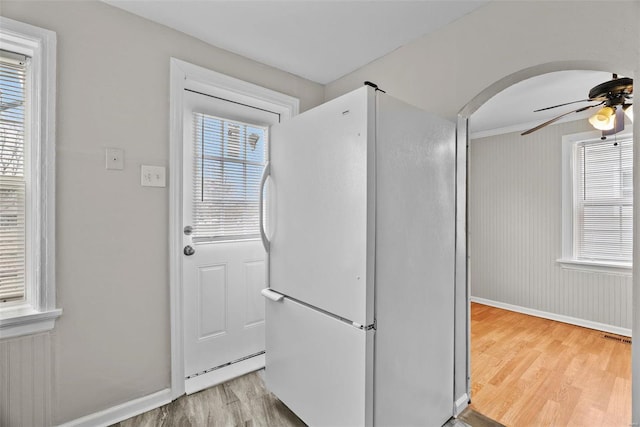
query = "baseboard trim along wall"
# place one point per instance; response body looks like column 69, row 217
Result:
column 123, row 411
column 553, row 316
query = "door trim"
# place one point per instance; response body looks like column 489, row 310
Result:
column 184, row 75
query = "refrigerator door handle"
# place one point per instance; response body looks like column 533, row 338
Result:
column 265, row 174
column 273, row 296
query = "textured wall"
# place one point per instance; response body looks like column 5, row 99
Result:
column 25, row 381
column 515, row 231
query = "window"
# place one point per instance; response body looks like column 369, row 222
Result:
column 13, row 70
column 27, row 174
column 604, row 200
column 598, row 201
column 229, row 157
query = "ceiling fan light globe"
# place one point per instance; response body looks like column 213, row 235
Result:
column 628, row 111
column 604, row 119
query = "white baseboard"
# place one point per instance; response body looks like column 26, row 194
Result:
column 123, row 411
column 553, row 316
column 221, row 375
column 460, row 404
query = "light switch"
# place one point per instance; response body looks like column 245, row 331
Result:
column 114, row 158
column 153, row 176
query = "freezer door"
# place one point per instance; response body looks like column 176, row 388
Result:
column 320, row 367
column 322, row 206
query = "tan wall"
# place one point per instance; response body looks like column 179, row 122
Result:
column 111, row 344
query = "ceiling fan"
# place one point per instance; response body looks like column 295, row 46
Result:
column 614, row 98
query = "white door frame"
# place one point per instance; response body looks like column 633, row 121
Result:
column 462, row 351
column 184, row 75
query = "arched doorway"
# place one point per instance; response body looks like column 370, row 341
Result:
column 463, row 368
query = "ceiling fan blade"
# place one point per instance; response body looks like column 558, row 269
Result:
column 562, row 105
column 548, row 122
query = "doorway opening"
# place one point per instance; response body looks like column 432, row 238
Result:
column 515, row 271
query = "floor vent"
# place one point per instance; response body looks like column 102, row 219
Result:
column 616, row 338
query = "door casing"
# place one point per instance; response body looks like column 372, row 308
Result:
column 184, row 75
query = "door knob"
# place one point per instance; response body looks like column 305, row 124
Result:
column 188, row 250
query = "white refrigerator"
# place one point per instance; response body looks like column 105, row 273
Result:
column 361, row 242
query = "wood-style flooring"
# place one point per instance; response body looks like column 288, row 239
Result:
column 527, row 371
column 243, row 401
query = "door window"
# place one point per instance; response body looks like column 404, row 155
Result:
column 228, row 157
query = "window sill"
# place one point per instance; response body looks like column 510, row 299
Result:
column 620, row 268
column 24, row 320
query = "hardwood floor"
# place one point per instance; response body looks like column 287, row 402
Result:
column 528, row 371
column 243, row 401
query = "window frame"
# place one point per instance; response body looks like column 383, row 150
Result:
column 37, row 313
column 568, row 259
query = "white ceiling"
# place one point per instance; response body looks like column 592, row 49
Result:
column 317, row 40
column 322, row 40
column 512, row 109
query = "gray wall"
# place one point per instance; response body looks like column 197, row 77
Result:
column 515, row 231
column 111, row 344
column 443, row 71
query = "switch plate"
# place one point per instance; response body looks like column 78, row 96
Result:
column 114, row 158
column 153, row 176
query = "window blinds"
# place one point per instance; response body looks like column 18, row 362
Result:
column 12, row 177
column 604, row 214
column 229, row 157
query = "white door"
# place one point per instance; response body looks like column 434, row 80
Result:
column 223, row 269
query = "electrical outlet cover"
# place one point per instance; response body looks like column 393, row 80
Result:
column 114, row 158
column 153, row 176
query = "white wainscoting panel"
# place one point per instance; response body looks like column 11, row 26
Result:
column 515, row 231
column 25, row 381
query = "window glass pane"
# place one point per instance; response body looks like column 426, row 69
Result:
column 604, row 205
column 256, row 148
column 228, row 160
column 12, row 181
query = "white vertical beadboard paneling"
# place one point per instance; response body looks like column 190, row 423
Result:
column 515, row 231
column 25, row 381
